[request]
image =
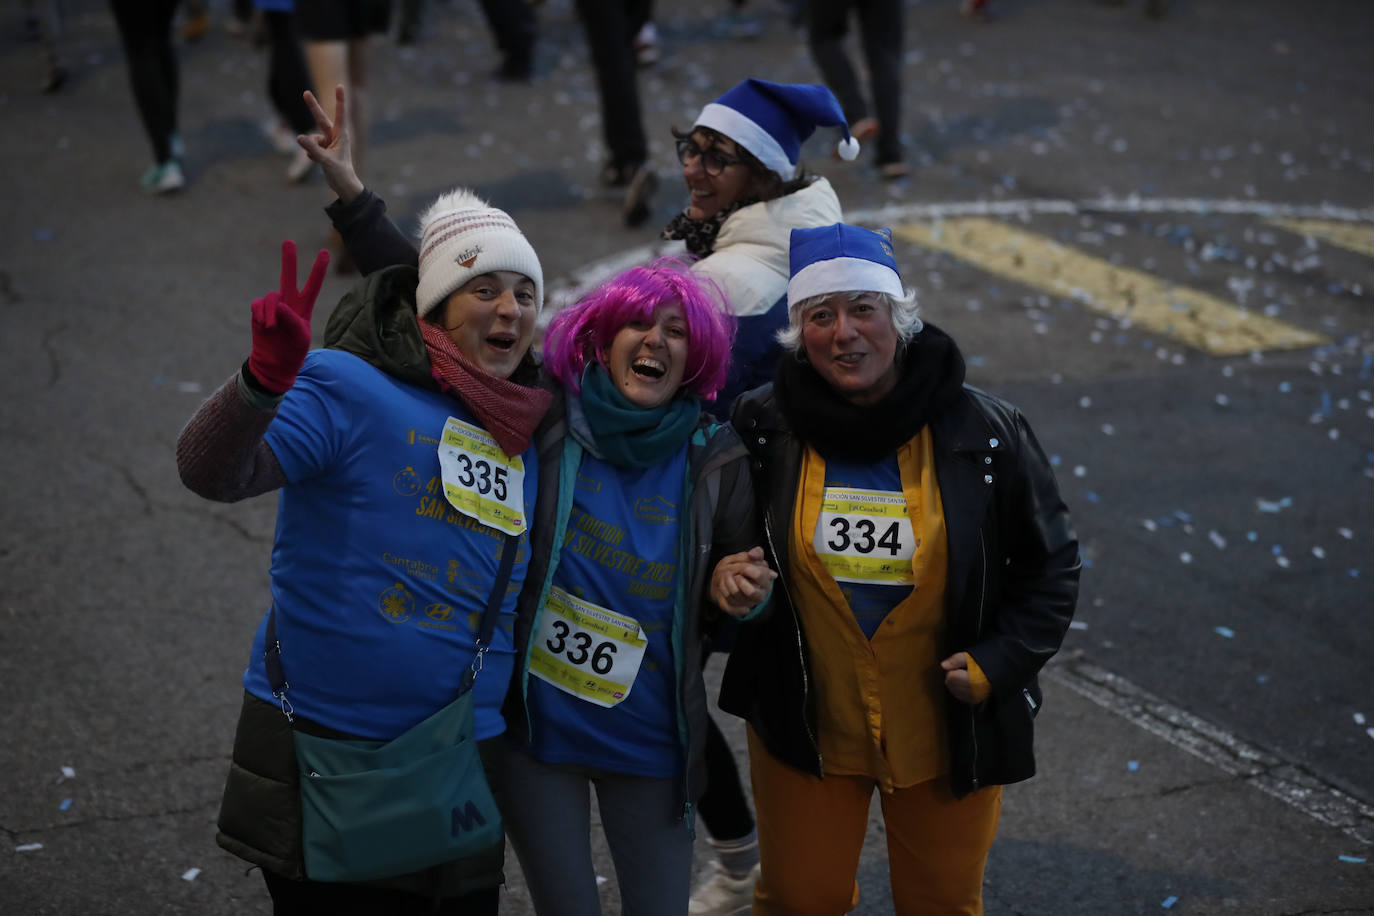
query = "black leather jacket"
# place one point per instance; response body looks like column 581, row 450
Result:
column 1010, row 593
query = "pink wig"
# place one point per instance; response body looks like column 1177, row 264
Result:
column 584, row 331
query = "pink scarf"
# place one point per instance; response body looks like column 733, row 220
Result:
column 508, row 411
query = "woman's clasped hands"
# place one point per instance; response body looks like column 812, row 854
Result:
column 740, row 581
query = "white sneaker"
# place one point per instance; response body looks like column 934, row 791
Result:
column 722, row 895
column 301, row 167
column 282, row 138
column 646, row 45
column 163, row 178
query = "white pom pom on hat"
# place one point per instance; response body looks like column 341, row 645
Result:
column 772, row 120
column 848, row 148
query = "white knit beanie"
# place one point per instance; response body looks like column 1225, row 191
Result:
column 461, row 237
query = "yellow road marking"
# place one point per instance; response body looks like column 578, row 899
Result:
column 1187, row 315
column 1357, row 237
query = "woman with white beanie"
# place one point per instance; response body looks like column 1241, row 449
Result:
column 403, row 452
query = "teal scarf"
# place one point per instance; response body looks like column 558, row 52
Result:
column 632, row 437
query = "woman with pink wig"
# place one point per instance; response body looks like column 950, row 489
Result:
column 643, row 534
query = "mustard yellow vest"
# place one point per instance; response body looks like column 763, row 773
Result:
column 880, row 702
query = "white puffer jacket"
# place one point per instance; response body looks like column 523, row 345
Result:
column 750, row 258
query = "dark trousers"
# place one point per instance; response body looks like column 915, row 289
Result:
column 145, row 30
column 316, row 898
column 513, row 28
column 49, row 23
column 412, row 17
column 880, row 34
column 723, row 808
column 611, row 26
column 287, row 74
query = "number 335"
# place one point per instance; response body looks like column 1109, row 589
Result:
column 482, row 474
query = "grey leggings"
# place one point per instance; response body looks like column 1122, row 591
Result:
column 547, row 811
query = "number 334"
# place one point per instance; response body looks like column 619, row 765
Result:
column 843, row 536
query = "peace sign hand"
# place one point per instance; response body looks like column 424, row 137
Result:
column 332, row 146
column 281, row 323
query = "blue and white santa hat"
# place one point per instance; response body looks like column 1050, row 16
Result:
column 771, row 120
column 839, row 259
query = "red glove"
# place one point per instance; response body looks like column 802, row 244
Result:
column 281, row 323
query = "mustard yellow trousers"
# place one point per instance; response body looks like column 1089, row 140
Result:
column 811, row 832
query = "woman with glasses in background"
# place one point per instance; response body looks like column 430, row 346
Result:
column 746, row 195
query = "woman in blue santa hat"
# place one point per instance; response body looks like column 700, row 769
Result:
column 927, row 569
column 747, row 191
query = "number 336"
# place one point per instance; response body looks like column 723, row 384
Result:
column 576, row 646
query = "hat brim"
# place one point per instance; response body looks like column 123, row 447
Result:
column 842, row 275
column 750, row 135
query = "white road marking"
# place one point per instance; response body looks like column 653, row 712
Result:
column 1286, row 781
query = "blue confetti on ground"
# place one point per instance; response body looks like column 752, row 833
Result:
column 44, row 235
column 66, row 803
column 1354, row 860
column 1133, row 765
column 1224, row 631
column 1168, row 902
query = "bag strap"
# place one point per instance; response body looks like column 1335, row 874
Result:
column 271, row 653
column 498, row 592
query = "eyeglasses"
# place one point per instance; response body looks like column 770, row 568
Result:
column 712, row 161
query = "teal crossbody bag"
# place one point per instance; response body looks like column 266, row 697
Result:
column 378, row 809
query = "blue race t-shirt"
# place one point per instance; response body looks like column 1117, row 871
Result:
column 864, row 538
column 378, row 582
column 603, row 681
